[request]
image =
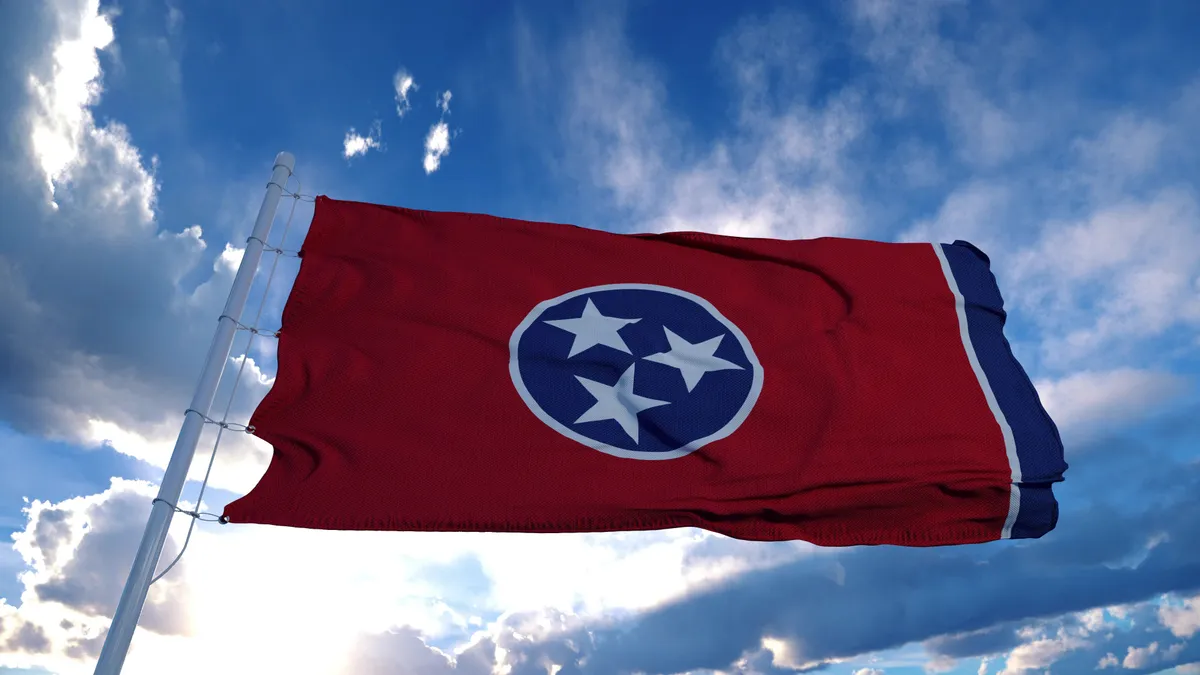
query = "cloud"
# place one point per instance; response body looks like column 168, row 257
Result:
column 798, row 158
column 437, row 141
column 59, row 122
column 101, row 534
column 1068, row 647
column 403, row 84
column 109, row 307
column 1183, row 620
column 1127, row 272
column 991, row 640
column 355, row 144
column 1151, row 658
column 974, row 211
column 903, row 40
column 960, row 602
column 174, row 19
column 29, row 638
column 78, row 553
column 1081, row 205
column 1086, row 403
column 782, row 171
column 404, row 652
column 329, row 613
column 1041, row 653
column 437, row 146
column 1140, row 657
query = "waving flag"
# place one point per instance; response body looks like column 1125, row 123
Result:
column 445, row 371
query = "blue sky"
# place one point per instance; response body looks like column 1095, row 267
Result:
column 138, row 136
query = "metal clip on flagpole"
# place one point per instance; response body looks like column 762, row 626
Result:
column 133, row 597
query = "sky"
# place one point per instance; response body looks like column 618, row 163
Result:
column 137, row 139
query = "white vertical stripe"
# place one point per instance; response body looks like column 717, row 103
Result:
column 1010, row 446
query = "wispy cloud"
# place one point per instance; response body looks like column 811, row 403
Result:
column 355, row 144
column 437, row 146
column 1087, row 403
column 403, row 84
column 437, row 141
column 779, row 172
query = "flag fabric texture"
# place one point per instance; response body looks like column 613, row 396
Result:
column 462, row 372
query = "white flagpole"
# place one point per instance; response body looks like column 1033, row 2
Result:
column 120, row 633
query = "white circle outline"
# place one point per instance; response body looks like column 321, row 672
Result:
column 514, row 370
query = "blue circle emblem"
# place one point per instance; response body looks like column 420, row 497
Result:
column 635, row 370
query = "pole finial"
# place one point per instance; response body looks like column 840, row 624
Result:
column 287, row 160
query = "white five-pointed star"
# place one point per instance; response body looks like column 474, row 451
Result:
column 593, row 328
column 692, row 360
column 617, row 402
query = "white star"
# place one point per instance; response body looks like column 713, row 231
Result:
column 617, row 402
column 692, row 360
column 593, row 328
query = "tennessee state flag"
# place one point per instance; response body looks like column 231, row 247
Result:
column 460, row 372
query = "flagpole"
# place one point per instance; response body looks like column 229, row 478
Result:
column 133, row 597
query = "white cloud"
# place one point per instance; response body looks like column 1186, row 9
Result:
column 1140, row 657
column 868, row 671
column 241, row 457
column 437, row 141
column 973, row 212
column 230, row 258
column 1093, row 620
column 903, row 39
column 61, row 120
column 940, row 664
column 403, row 84
column 1128, row 271
column 437, row 146
column 108, row 316
column 78, row 553
column 1183, row 620
column 779, row 174
column 1086, row 402
column 1144, row 657
column 355, row 144
column 1041, row 653
column 1127, row 148
column 333, row 612
column 101, row 228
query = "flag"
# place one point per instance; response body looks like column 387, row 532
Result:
column 462, row 372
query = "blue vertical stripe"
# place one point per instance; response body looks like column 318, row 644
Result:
column 1037, row 444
